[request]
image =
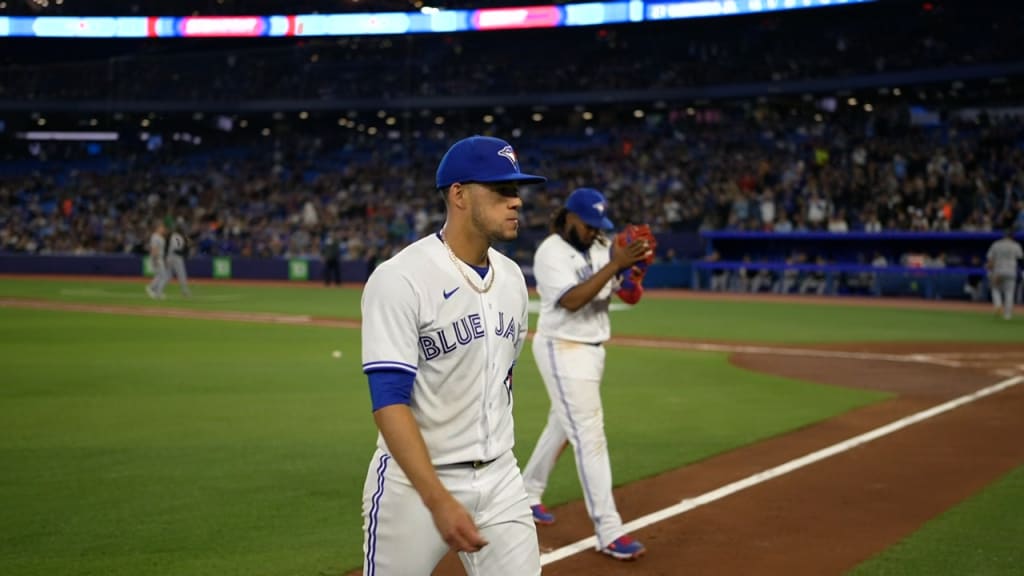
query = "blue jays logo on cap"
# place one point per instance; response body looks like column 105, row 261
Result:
column 509, row 153
column 482, row 159
column 590, row 205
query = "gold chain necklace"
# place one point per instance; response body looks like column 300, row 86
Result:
column 460, row 267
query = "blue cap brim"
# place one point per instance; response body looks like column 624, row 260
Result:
column 516, row 177
column 602, row 223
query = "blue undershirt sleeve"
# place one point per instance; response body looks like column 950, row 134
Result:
column 389, row 387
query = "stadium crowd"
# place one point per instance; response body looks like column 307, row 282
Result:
column 760, row 169
column 869, row 160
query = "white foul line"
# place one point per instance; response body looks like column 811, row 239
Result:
column 690, row 503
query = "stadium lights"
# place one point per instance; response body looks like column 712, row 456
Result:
column 588, row 115
column 488, row 119
column 70, row 136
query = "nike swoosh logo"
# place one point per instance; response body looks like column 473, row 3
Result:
column 448, row 294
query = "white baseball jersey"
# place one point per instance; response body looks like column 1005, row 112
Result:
column 1004, row 255
column 557, row 268
column 156, row 244
column 176, row 246
column 420, row 316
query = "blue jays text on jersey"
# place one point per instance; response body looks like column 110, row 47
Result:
column 463, row 332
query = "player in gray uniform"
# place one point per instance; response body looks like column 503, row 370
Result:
column 177, row 251
column 1002, row 269
column 444, row 321
column 157, row 248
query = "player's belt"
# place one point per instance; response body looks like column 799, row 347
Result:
column 478, row 464
column 475, row 464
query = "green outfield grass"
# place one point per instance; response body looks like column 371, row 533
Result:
column 136, row 445
column 982, row 536
column 780, row 322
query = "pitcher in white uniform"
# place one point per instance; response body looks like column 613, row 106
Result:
column 577, row 273
column 1003, row 256
column 444, row 321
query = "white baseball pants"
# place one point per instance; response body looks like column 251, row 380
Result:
column 572, row 373
column 399, row 536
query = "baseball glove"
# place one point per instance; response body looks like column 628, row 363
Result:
column 631, row 288
column 638, row 232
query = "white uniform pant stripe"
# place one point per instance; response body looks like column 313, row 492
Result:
column 371, row 541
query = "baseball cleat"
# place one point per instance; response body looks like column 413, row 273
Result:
column 541, row 515
column 625, row 548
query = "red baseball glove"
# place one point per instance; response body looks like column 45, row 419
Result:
column 631, row 288
column 638, row 232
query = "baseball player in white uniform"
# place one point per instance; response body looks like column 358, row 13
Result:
column 576, row 274
column 444, row 321
column 157, row 247
column 177, row 249
column 1002, row 267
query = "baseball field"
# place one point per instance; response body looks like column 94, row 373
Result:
column 221, row 434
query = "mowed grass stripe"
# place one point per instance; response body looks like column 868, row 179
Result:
column 778, row 322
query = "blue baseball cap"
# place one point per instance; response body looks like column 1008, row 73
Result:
column 482, row 159
column 590, row 205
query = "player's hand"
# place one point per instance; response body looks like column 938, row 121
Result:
column 456, row 526
column 628, row 255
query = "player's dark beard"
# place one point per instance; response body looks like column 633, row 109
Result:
column 573, row 238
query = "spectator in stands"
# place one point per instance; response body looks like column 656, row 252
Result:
column 871, row 222
column 783, row 225
column 719, row 277
column 837, row 223
column 974, row 283
column 744, row 276
column 790, row 276
column 816, row 280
